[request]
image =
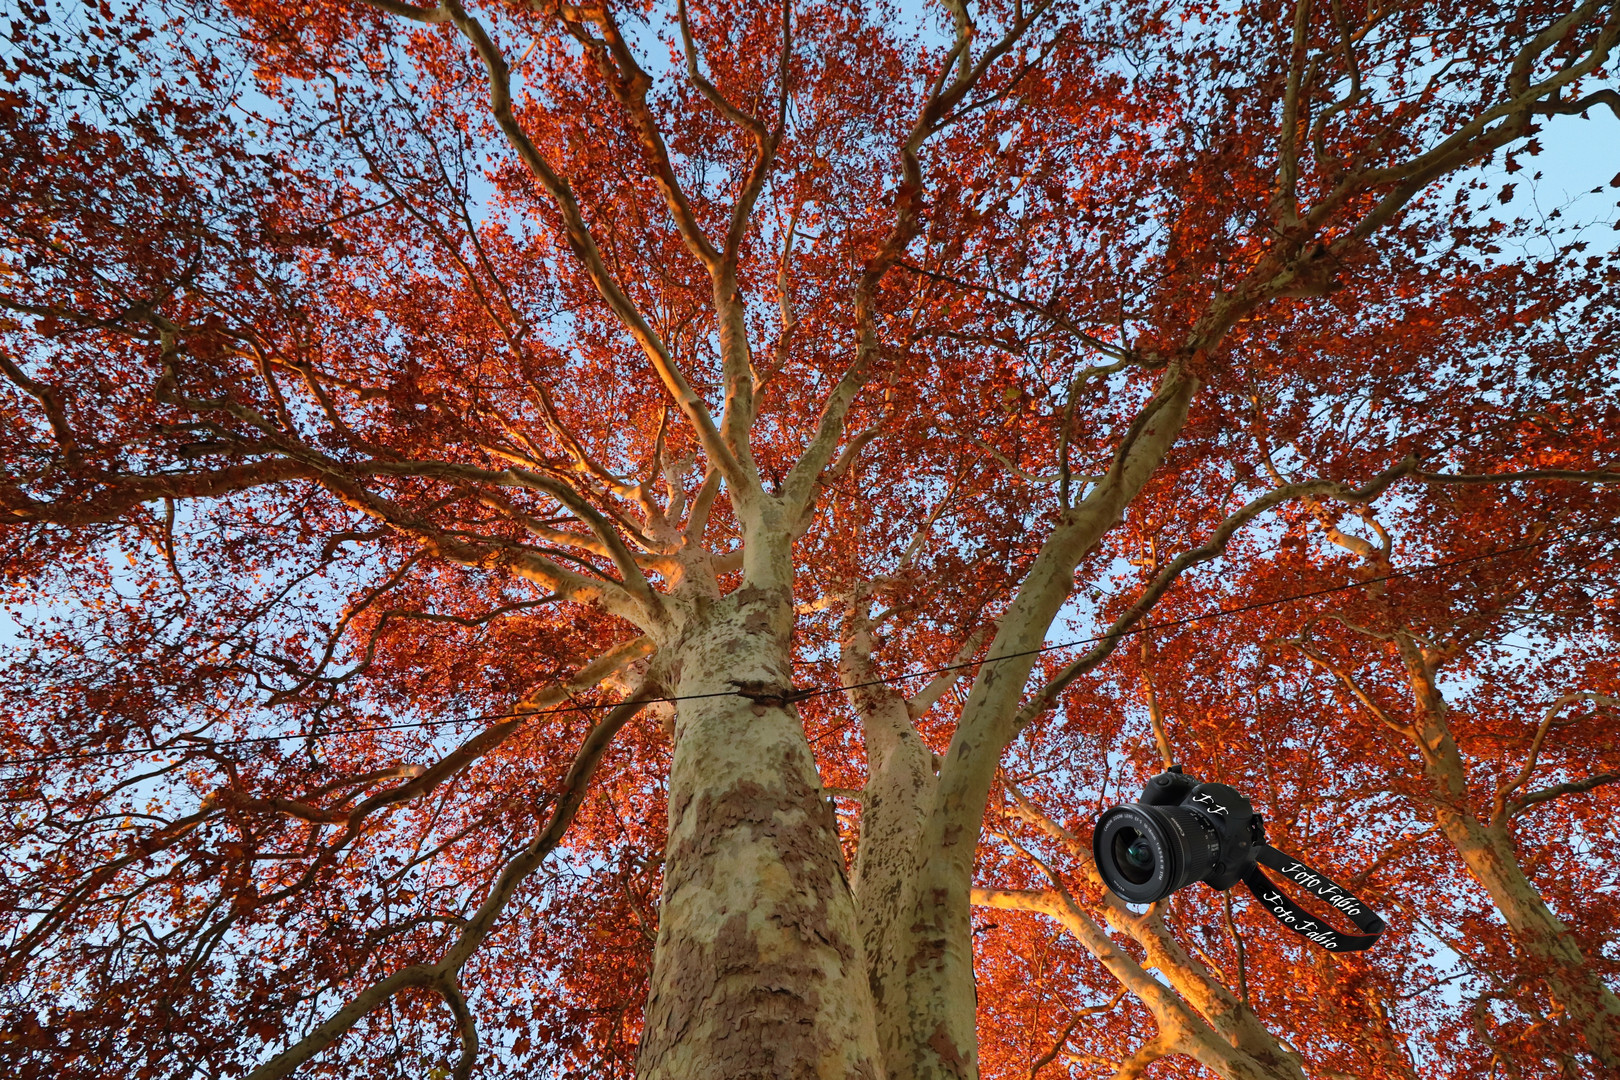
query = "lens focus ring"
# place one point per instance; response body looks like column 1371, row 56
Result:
column 1199, row 846
column 1145, row 853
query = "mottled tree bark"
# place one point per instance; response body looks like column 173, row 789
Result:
column 759, row 969
column 898, row 794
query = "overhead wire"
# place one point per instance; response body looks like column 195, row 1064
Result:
column 199, row 743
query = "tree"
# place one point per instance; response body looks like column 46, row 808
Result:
column 408, row 405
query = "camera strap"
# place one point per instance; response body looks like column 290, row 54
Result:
column 1320, row 886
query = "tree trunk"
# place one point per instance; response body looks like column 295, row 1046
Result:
column 759, row 969
column 939, row 991
column 898, row 795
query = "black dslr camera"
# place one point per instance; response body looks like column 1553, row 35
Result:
column 1182, row 831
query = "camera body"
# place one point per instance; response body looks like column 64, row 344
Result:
column 1179, row 832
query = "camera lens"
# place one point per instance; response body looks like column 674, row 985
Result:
column 1134, row 856
column 1145, row 853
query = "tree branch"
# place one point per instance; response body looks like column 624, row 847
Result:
column 925, row 699
column 1595, row 476
column 466, row 1025
column 120, row 494
column 1349, row 682
column 585, row 249
column 567, row 800
column 1501, row 802
column 430, row 15
column 799, row 491
column 1535, row 798
column 1211, row 549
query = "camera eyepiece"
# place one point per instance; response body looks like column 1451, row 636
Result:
column 1182, row 831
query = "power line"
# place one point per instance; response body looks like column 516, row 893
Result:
column 820, row 691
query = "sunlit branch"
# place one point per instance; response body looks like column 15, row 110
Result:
column 766, row 143
column 480, row 552
column 1161, row 736
column 1136, row 1066
column 584, row 463
column 634, row 581
column 925, row 699
column 629, row 84
column 710, row 92
column 376, row 776
column 1058, row 904
column 788, row 320
column 1065, row 477
column 584, row 246
column 629, row 598
column 702, row 506
column 1068, row 1032
column 652, row 552
column 1354, row 94
column 1014, row 469
column 1351, row 684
